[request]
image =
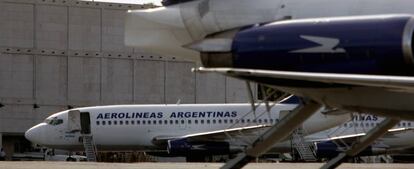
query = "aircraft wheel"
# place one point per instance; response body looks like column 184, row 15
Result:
column 70, row 159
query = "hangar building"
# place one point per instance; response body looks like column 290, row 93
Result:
column 60, row 54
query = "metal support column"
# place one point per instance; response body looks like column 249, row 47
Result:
column 275, row 134
column 251, row 97
column 1, row 139
column 363, row 143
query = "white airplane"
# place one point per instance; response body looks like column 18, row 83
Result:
column 354, row 55
column 398, row 140
column 191, row 130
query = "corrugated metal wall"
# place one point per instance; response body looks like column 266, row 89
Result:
column 59, row 53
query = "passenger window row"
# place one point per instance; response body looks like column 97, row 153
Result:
column 402, row 124
column 182, row 121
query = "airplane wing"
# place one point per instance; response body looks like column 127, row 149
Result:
column 392, row 82
column 352, row 137
column 324, row 147
column 217, row 135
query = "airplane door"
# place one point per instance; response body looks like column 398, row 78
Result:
column 74, row 121
column 85, row 122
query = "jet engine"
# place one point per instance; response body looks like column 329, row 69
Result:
column 378, row 44
column 183, row 147
column 329, row 150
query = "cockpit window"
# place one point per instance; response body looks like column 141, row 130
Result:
column 54, row 121
column 47, row 121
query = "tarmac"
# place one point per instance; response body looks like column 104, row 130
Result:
column 88, row 165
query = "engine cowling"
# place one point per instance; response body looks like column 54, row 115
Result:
column 326, row 150
column 329, row 149
column 183, row 147
column 363, row 44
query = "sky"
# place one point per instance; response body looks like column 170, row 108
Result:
column 157, row 2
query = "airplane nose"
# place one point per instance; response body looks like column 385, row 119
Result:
column 34, row 134
column 29, row 134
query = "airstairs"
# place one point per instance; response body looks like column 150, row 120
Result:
column 386, row 158
column 304, row 149
column 90, row 148
column 80, row 122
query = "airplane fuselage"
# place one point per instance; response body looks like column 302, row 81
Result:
column 134, row 127
column 398, row 140
column 166, row 30
column 332, row 50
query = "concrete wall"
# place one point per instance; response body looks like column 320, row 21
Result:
column 56, row 53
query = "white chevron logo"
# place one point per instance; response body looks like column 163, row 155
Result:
column 327, row 45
